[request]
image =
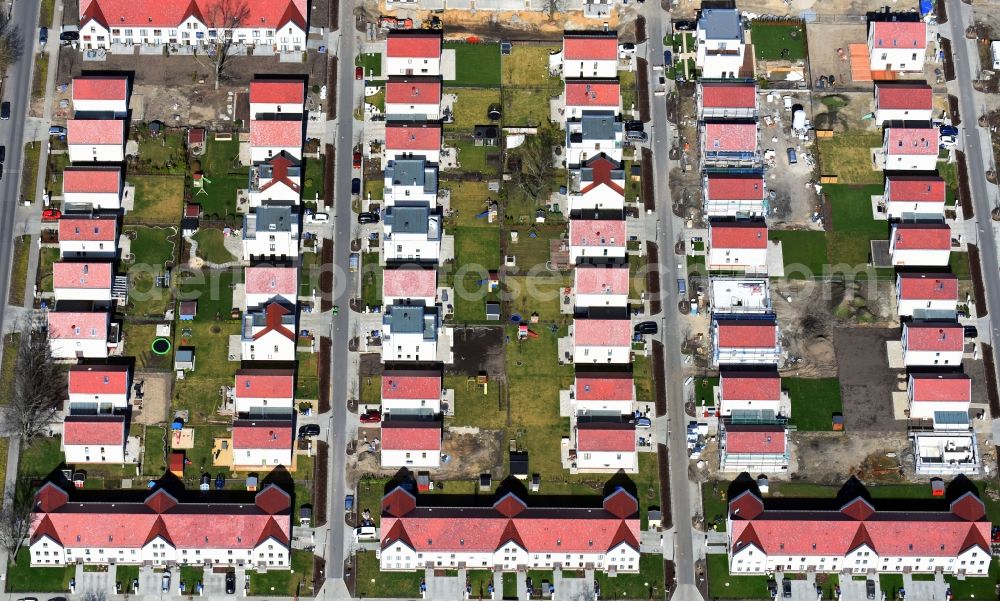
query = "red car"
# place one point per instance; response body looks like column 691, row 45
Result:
column 371, row 417
column 357, row 160
column 359, row 73
column 51, row 215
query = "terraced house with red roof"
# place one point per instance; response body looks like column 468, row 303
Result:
column 598, row 183
column 410, row 53
column 920, row 244
column 734, row 195
column 603, row 445
column 588, row 54
column 909, row 197
column 903, row 101
column 415, row 98
column 933, row 344
column 755, row 447
column 600, row 286
column 89, row 281
column 263, row 390
column 737, row 246
column 602, row 392
column 742, row 389
column 101, row 94
column 412, row 391
column 88, row 237
column 930, row 393
column 911, row 148
column 270, row 283
column 411, row 442
column 160, row 530
column 270, row 96
column 602, row 341
column 596, row 238
column 511, row 534
column 280, row 24
column 926, row 295
column 858, row 537
column 729, row 144
column 746, row 341
column 591, row 95
column 897, row 42
column 81, row 334
column 99, row 188
column 262, row 443
column 727, row 100
column 96, row 140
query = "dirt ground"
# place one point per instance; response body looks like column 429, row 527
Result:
column 480, row 453
column 806, row 328
column 831, row 457
column 795, row 199
column 843, row 111
column 157, row 391
column 685, row 183
column 824, row 40
column 866, row 382
column 478, row 349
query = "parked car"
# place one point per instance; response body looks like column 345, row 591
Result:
column 51, row 215
column 870, row 589
column 357, row 160
column 367, row 217
column 643, row 422
column 971, row 331
column 372, row 416
column 348, row 502
column 5, row 110
column 633, row 125
column 364, row 533
column 786, row 588
column 646, row 327
column 359, row 73
column 668, row 58
column 309, row 430
column 949, row 130
column 57, row 130
column 3, row 154
column 43, row 36
column 792, row 156
column 947, row 141
column 627, row 48
column 230, row 583
column 356, row 186
column 165, row 582
column 636, row 136
column 318, row 217
column 772, row 587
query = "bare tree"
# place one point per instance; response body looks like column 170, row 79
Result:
column 531, row 163
column 39, row 386
column 11, row 41
column 224, row 17
column 15, row 519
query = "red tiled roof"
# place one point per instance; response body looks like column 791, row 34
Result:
column 597, row 232
column 590, row 48
column 607, row 437
column 601, row 171
column 593, row 93
column 264, row 279
column 739, row 234
column 730, row 136
column 411, row 436
column 413, row 90
column 276, row 91
column 911, row 140
column 272, row 14
column 734, row 187
column 277, row 134
column 917, row 236
column 755, row 439
column 940, row 388
column 750, row 386
column 91, row 276
column 100, row 87
column 747, row 334
column 411, row 385
column 723, row 95
column 92, row 180
column 262, row 434
column 280, row 164
column 412, row 45
column 602, row 332
column 88, row 229
column 601, row 280
column 98, row 379
column 409, row 282
column 899, row 34
column 604, row 387
column 95, row 131
column 399, row 136
column 914, row 188
column 94, row 430
column 939, row 337
column 71, row 325
column 264, row 384
column 928, row 286
column 273, row 313
column 904, row 96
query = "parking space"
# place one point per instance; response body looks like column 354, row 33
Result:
column 444, row 587
column 96, row 582
column 150, row 582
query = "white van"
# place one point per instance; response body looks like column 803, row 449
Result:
column 365, row 533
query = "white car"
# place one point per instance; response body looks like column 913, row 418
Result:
column 318, row 217
column 365, row 533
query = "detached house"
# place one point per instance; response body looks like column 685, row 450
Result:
column 162, row 530
column 744, row 390
column 260, row 443
column 415, row 98
column 600, row 286
column 897, row 45
column 606, row 446
column 594, row 133
column 737, row 246
column 598, row 184
column 753, row 447
column 97, row 188
column 271, row 233
column 83, row 281
column 268, row 334
column 278, row 180
column 727, row 100
column 590, row 55
column 409, row 392
column 411, row 140
column 920, row 244
column 413, row 53
column 735, row 195
column 277, row 96
column 264, row 390
column 603, row 393
column 729, row 144
column 932, row 344
column 80, row 335
column 914, row 196
column 721, row 44
column 101, row 94
column 94, row 438
column 96, row 140
column 414, row 443
column 911, row 148
column 746, row 341
column 412, row 181
column 270, row 283
column 596, row 238
column 88, row 237
column 411, row 233
column 605, row 341
column 903, row 101
column 930, row 395
column 926, row 295
column 100, row 389
column 592, row 95
column 409, row 285
column 271, row 137
column 414, row 333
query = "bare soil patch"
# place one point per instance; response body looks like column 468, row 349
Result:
column 478, row 349
column 866, row 381
column 157, row 390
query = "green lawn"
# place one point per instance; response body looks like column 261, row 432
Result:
column 976, row 588
column 29, row 173
column 222, row 168
column 152, row 248
column 647, row 584
column 479, row 580
column 307, row 382
column 46, row 257
column 704, row 390
column 138, row 338
column 723, row 586
column 949, row 173
column 475, row 159
column 371, row 280
column 212, row 246
column 159, row 199
column 477, row 250
column 537, row 294
column 776, row 41
column 528, row 85
column 40, row 458
column 471, row 107
column 11, row 345
column 629, row 92
column 849, row 157
column 804, row 252
column 509, row 580
column 642, row 375
column 125, row 574
column 21, row 577
column 162, row 154
column 468, row 201
column 476, row 65
column 853, row 226
column 960, row 266
column 889, row 584
column 312, row 182
column 371, row 583
column 372, row 62
column 814, row 401
column 19, row 270
column 286, row 583
column 55, row 164
column 191, row 576
column 154, row 461
column 714, row 505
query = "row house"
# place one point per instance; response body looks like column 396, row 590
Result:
column 603, row 341
column 87, row 281
column 931, row 394
column 411, row 233
column 582, row 95
column 410, row 140
column 603, row 393
column 926, row 295
column 266, row 284
column 410, row 180
column 409, row 53
column 275, row 181
column 93, row 188
column 590, row 55
column 912, row 197
column 411, row 392
column 268, row 333
column 99, row 389
column 409, row 285
column 721, row 43
column 96, row 140
column 858, row 537
column 276, row 135
column 730, row 144
column 753, row 447
column 81, row 334
column 101, row 95
column 95, row 429
column 737, row 246
column 598, row 184
column 911, row 148
column 161, row 530
column 933, row 343
column 260, row 391
column 594, row 133
column 276, row 96
column 414, row 333
column 727, row 100
column 604, row 446
column 88, row 237
column 411, row 442
column 596, row 239
column 920, row 244
column 897, row 45
column 510, row 535
column 261, row 443
column 271, row 233
column 601, row 286
column 416, row 98
column 897, row 102
column 744, row 390
column 949, row 445
column 746, row 341
column 279, row 24
column 739, row 195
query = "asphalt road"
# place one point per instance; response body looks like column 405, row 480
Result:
column 964, row 65
column 680, row 493
column 16, row 91
column 343, row 219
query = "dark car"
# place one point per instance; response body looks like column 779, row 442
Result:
column 57, row 130
column 870, row 589
column 230, row 583
column 949, row 130
column 772, row 587
column 668, row 58
column 359, row 73
column 971, row 331
column 786, row 588
column 633, row 125
column 43, row 35
column 367, row 217
column 357, row 160
column 371, row 417
column 5, row 110
column 3, row 154
column 646, row 327
column 356, row 186
column 309, row 430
